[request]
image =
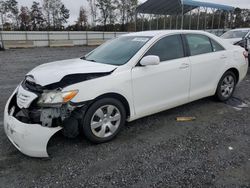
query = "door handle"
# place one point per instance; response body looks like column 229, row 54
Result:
column 184, row 66
column 223, row 57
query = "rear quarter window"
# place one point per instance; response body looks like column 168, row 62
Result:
column 198, row 44
column 216, row 46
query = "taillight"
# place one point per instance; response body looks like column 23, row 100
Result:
column 245, row 53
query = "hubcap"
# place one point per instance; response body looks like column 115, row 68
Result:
column 227, row 86
column 105, row 121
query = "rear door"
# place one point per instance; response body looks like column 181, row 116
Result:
column 208, row 59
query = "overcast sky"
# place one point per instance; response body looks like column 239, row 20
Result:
column 74, row 5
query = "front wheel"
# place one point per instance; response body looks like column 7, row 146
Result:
column 103, row 120
column 226, row 86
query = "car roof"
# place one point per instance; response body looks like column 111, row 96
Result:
column 240, row 29
column 164, row 32
column 161, row 33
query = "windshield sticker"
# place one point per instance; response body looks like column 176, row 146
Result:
column 140, row 39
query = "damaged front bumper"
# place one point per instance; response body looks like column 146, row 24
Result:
column 30, row 139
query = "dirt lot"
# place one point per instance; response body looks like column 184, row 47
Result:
column 156, row 151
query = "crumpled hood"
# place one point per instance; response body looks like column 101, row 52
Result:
column 54, row 72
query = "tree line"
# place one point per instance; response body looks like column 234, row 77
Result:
column 51, row 15
column 104, row 15
column 54, row 15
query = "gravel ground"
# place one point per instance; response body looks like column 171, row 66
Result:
column 155, row 151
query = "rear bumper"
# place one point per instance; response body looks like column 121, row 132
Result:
column 30, row 139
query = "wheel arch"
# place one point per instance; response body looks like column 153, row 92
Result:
column 119, row 97
column 236, row 72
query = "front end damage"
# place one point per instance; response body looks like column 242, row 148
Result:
column 41, row 105
column 30, row 125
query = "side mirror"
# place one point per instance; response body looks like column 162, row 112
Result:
column 150, row 60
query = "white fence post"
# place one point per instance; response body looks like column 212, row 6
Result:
column 26, row 36
column 1, row 35
column 87, row 40
column 48, row 38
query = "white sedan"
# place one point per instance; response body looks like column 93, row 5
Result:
column 237, row 36
column 129, row 77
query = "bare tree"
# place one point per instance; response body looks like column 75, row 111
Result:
column 106, row 8
column 63, row 15
column 112, row 11
column 122, row 6
column 82, row 19
column 24, row 17
column 3, row 11
column 9, row 12
column 56, row 13
column 93, row 11
column 47, row 6
column 131, row 8
column 36, row 16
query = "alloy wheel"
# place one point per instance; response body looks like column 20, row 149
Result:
column 227, row 86
column 105, row 121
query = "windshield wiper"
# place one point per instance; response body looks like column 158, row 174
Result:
column 84, row 58
column 92, row 60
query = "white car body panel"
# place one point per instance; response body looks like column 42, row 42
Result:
column 147, row 90
column 151, row 86
column 45, row 74
column 204, row 77
column 119, row 82
column 233, row 41
column 30, row 139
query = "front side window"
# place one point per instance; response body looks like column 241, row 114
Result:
column 198, row 44
column 118, row 51
column 167, row 48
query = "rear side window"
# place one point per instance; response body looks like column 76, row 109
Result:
column 199, row 44
column 216, row 47
column 168, row 48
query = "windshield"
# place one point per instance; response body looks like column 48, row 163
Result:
column 118, row 51
column 235, row 34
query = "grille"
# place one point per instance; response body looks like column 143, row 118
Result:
column 25, row 97
column 22, row 100
column 33, row 87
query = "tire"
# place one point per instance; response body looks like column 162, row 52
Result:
column 98, row 126
column 226, row 86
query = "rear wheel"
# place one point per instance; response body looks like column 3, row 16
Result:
column 226, row 86
column 103, row 120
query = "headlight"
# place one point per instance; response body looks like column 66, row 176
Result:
column 57, row 97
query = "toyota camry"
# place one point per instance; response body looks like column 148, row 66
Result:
column 127, row 78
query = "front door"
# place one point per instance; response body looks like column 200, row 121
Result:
column 163, row 86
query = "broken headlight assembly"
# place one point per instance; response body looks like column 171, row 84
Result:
column 55, row 98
